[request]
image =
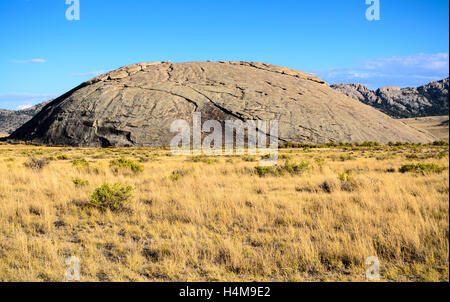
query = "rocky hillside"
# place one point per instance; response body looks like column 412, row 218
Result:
column 428, row 100
column 136, row 105
column 10, row 120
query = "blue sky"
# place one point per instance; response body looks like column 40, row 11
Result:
column 42, row 54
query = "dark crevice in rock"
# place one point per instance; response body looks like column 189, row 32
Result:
column 234, row 114
column 169, row 72
column 169, row 92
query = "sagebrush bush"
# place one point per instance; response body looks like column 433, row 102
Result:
column 370, row 144
column 329, row 186
column 177, row 174
column 348, row 182
column 36, row 163
column 289, row 167
column 78, row 182
column 320, row 161
column 295, row 168
column 266, row 156
column 62, row 157
column 80, row 163
column 143, row 159
column 203, row 159
column 285, row 156
column 111, row 197
column 346, row 157
column 124, row 163
column 422, row 168
column 346, row 176
column 440, row 143
column 263, row 171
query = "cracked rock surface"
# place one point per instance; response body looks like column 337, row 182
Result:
column 135, row 106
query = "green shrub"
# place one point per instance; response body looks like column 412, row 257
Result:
column 83, row 164
column 285, row 156
column 78, row 182
column 312, row 146
column 143, row 159
column 346, row 176
column 263, row 171
column 320, row 162
column 111, row 197
column 203, row 159
column 331, row 145
column 370, row 144
column 294, row 168
column 80, row 163
column 124, row 163
column 289, row 167
column 36, row 163
column 266, row 156
column 177, row 175
column 422, row 168
column 62, row 157
column 442, row 154
column 348, row 183
column 440, row 143
column 346, row 157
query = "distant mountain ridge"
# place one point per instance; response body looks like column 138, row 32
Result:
column 10, row 120
column 427, row 100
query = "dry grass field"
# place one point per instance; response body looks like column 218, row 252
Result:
column 221, row 219
column 436, row 125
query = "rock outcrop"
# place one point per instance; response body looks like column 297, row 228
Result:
column 427, row 100
column 10, row 120
column 135, row 106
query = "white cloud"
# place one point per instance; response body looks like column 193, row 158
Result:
column 16, row 100
column 419, row 62
column 402, row 71
column 23, row 107
column 30, row 61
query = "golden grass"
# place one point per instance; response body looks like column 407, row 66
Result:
column 218, row 221
column 436, row 125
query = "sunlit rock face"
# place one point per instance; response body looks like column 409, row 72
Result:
column 135, row 106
